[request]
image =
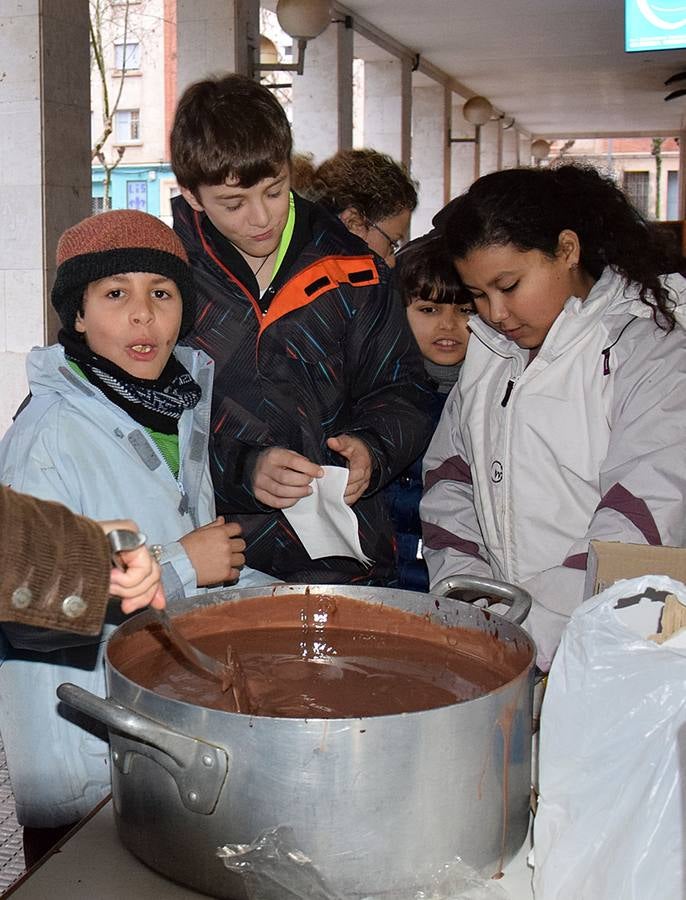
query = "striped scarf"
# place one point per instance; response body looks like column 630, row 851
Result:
column 153, row 403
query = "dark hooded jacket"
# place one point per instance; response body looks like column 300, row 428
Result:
column 325, row 351
column 402, row 498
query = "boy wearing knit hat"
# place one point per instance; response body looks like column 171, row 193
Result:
column 117, row 426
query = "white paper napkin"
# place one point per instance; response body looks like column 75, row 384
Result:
column 324, row 522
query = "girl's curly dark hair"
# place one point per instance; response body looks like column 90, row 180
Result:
column 373, row 183
column 530, row 207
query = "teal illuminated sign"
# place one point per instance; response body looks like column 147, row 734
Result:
column 655, row 25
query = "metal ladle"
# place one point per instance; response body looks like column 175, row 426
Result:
column 229, row 674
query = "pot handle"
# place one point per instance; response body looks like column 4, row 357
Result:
column 198, row 768
column 518, row 599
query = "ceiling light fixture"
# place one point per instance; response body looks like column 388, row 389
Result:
column 540, row 149
column 303, row 20
column 477, row 111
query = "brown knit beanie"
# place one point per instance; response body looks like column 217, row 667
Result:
column 115, row 243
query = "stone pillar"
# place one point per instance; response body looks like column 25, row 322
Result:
column 406, row 114
column 45, row 163
column 499, row 145
column 510, row 148
column 464, row 150
column 388, row 107
column 323, row 95
column 215, row 36
column 489, row 147
column 431, row 107
column 524, row 149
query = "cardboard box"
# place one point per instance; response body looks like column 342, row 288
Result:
column 609, row 561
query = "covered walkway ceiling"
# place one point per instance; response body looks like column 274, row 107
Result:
column 557, row 66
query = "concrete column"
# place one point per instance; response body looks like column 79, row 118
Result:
column 406, row 114
column 488, row 150
column 447, row 122
column 323, row 95
column 524, row 150
column 214, row 36
column 388, row 107
column 45, row 183
column 463, row 150
column 517, row 146
column 510, row 148
column 499, row 145
column 430, row 153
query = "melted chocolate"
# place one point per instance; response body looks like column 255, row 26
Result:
column 316, row 656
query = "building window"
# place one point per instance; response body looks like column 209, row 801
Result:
column 637, row 189
column 98, row 205
column 137, row 195
column 168, row 190
column 127, row 126
column 127, row 55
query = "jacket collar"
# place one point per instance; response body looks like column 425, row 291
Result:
column 611, row 295
column 316, row 230
column 45, row 367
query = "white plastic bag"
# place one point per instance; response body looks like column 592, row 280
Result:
column 610, row 818
column 273, row 868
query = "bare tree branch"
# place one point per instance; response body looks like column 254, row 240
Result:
column 98, row 9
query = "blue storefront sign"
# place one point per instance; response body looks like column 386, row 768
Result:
column 137, row 195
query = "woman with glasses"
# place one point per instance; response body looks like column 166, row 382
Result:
column 372, row 194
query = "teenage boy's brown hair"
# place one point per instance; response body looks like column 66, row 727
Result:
column 228, row 127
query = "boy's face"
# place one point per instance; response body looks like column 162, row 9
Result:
column 133, row 320
column 252, row 218
column 440, row 330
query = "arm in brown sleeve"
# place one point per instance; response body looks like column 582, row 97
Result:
column 54, row 566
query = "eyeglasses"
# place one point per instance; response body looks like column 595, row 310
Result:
column 394, row 245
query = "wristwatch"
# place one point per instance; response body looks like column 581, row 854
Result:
column 156, row 551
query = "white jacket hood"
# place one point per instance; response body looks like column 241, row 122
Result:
column 609, row 302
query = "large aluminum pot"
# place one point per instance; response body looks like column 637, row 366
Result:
column 378, row 804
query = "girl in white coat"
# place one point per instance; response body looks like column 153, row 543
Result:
column 569, row 420
column 117, row 426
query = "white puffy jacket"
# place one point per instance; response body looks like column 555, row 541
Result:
column 530, row 463
column 73, row 445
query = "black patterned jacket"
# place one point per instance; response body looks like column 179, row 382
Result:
column 332, row 354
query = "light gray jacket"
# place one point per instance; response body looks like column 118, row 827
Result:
column 531, row 462
column 73, row 445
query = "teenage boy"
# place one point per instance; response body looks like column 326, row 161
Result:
column 117, row 425
column 315, row 363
